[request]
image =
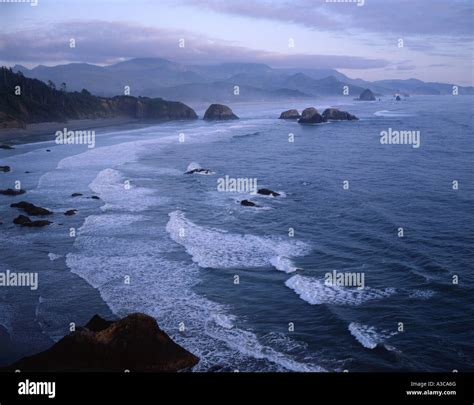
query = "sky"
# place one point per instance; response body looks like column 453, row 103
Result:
column 431, row 40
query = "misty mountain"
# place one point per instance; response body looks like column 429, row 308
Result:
column 157, row 77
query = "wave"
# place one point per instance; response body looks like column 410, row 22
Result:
column 387, row 113
column 214, row 248
column 282, row 263
column 316, row 292
column 421, row 294
column 110, row 248
column 111, row 186
column 369, row 336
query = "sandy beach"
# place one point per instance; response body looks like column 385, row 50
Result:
column 45, row 131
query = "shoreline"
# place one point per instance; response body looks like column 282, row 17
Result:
column 45, row 131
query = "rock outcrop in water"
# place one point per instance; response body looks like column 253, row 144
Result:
column 338, row 115
column 31, row 209
column 266, row 191
column 311, row 116
column 25, row 221
column 367, row 95
column 4, row 146
column 12, row 192
column 199, row 170
column 134, row 343
column 220, row 112
column 4, row 169
column 248, row 203
column 290, row 115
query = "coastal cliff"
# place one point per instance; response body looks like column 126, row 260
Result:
column 26, row 101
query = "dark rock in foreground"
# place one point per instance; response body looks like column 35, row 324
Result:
column 4, row 146
column 311, row 116
column 69, row 213
column 266, row 191
column 5, row 169
column 134, row 343
column 76, row 194
column 95, row 197
column 96, row 324
column 338, row 115
column 219, row 112
column 31, row 209
column 25, row 221
column 290, row 115
column 398, row 98
column 12, row 192
column 367, row 95
column 248, row 203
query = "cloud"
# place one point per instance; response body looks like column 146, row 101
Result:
column 401, row 17
column 104, row 42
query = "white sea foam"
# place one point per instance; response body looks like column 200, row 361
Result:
column 421, row 294
column 194, row 166
column 387, row 113
column 216, row 248
column 369, row 336
column 53, row 256
column 282, row 263
column 110, row 247
column 316, row 292
column 112, row 188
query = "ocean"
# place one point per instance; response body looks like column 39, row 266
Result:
column 242, row 287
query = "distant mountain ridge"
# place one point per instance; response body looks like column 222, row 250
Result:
column 157, row 77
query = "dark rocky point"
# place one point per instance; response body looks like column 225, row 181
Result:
column 42, row 105
column 337, row 115
column 31, row 209
column 266, row 191
column 5, row 169
column 134, row 343
column 290, row 115
column 367, row 95
column 12, row 192
column 311, row 116
column 69, row 213
column 4, row 146
column 219, row 112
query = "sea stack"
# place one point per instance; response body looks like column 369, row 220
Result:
column 290, row 115
column 367, row 95
column 311, row 116
column 219, row 112
column 337, row 115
